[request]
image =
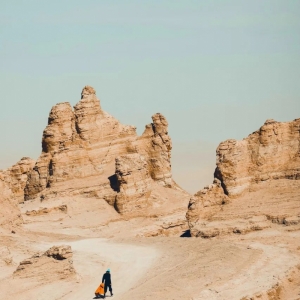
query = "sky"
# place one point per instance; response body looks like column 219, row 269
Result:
column 216, row 69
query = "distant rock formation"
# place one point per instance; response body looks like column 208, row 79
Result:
column 156, row 144
column 134, row 183
column 266, row 165
column 16, row 177
column 86, row 151
column 272, row 152
column 55, row 264
column 204, row 203
column 12, row 184
column 77, row 144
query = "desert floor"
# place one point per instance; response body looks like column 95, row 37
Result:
column 262, row 263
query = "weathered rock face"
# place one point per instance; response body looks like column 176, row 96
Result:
column 134, row 183
column 55, row 264
column 9, row 213
column 158, row 148
column 78, row 144
column 59, row 252
column 16, row 177
column 272, row 152
column 79, row 148
column 12, row 183
column 267, row 165
column 205, row 203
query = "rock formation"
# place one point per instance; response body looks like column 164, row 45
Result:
column 56, row 263
column 134, row 183
column 204, row 203
column 157, row 147
column 266, row 165
column 86, row 151
column 272, row 152
column 78, row 144
column 16, row 177
column 46, row 210
column 12, row 184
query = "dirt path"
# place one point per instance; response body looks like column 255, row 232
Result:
column 128, row 263
column 147, row 268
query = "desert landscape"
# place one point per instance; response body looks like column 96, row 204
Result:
column 100, row 196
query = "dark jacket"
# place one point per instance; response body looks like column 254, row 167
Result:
column 106, row 278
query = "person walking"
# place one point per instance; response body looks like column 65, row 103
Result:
column 106, row 279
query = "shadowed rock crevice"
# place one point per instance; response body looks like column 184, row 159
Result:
column 113, row 181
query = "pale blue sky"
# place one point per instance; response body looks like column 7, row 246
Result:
column 215, row 69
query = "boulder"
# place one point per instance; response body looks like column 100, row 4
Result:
column 54, row 264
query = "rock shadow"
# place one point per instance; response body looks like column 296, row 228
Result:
column 186, row 234
column 113, row 181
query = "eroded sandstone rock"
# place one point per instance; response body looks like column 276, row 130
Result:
column 158, row 146
column 12, row 184
column 79, row 149
column 266, row 165
column 204, row 203
column 54, row 264
column 16, row 177
column 134, row 183
column 272, row 152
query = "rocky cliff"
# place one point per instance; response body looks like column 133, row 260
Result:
column 134, row 181
column 12, row 183
column 86, row 151
column 272, row 152
column 256, row 183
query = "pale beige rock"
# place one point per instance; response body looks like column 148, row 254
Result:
column 60, row 252
column 56, row 263
column 9, row 212
column 80, row 147
column 157, row 146
column 46, row 210
column 260, row 175
column 205, row 203
column 12, row 184
column 134, row 183
column 16, row 176
column 272, row 152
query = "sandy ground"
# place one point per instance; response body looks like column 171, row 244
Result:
column 259, row 265
column 165, row 267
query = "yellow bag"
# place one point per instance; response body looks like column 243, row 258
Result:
column 100, row 290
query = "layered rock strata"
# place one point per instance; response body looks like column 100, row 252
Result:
column 16, row 177
column 205, row 203
column 77, row 144
column 134, row 182
column 272, row 152
column 156, row 144
column 54, row 264
column 266, row 164
column 85, row 152
column 12, row 184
